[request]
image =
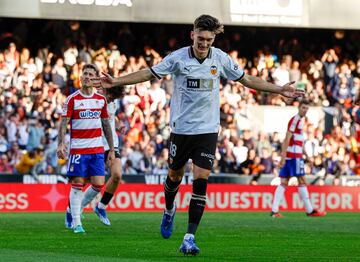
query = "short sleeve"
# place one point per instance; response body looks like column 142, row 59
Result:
column 231, row 69
column 104, row 112
column 292, row 124
column 68, row 107
column 166, row 67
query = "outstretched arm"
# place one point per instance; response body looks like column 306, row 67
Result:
column 106, row 81
column 259, row 84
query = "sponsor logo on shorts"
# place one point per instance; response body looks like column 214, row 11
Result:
column 208, row 155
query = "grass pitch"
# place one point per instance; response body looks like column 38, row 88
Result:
column 223, row 236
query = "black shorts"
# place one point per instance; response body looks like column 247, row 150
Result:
column 117, row 154
column 200, row 148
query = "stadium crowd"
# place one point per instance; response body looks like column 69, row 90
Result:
column 37, row 75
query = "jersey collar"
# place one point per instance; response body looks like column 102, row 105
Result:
column 192, row 54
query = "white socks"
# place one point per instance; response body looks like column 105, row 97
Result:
column 304, row 194
column 75, row 203
column 89, row 195
column 279, row 194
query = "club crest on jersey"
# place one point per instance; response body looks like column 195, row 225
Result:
column 90, row 114
column 213, row 70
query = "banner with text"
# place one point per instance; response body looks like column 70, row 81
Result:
column 140, row 197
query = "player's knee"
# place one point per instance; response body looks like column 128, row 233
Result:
column 97, row 187
column 175, row 176
column 116, row 177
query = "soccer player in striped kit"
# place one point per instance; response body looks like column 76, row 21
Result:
column 292, row 163
column 87, row 113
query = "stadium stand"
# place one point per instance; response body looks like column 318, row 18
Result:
column 40, row 62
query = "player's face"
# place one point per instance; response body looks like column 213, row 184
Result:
column 86, row 77
column 303, row 110
column 202, row 41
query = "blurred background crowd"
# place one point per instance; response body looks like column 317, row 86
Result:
column 41, row 60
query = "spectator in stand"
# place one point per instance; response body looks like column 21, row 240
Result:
column 28, row 88
column 266, row 162
column 5, row 166
column 148, row 162
column 330, row 61
column 281, row 74
column 246, row 166
column 128, row 168
column 135, row 156
column 29, row 161
column 12, row 57
column 275, row 142
column 15, row 155
column 295, row 73
column 240, row 152
column 339, row 88
column 59, row 74
column 157, row 95
column 36, row 132
column 11, row 126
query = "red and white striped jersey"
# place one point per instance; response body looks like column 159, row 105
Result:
column 295, row 148
column 85, row 113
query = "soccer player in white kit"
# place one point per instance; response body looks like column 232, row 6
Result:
column 194, row 115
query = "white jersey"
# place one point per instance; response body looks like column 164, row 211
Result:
column 112, row 107
column 195, row 103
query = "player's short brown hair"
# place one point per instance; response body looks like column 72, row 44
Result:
column 208, row 23
column 91, row 66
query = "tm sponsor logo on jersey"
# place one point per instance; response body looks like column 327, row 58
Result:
column 90, row 114
column 199, row 84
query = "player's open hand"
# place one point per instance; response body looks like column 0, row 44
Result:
column 282, row 162
column 104, row 81
column 61, row 151
column 290, row 91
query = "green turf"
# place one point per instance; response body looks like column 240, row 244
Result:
column 221, row 237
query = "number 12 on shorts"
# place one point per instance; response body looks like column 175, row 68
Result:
column 74, row 159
